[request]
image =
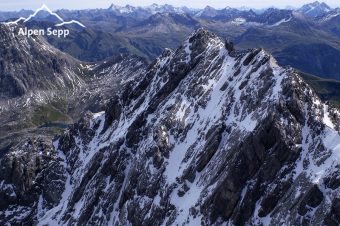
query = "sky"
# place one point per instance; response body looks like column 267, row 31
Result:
column 11, row 5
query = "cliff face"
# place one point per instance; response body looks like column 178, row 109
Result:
column 205, row 136
column 28, row 64
column 43, row 89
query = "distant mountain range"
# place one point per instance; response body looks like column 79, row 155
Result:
column 203, row 135
column 314, row 9
column 146, row 31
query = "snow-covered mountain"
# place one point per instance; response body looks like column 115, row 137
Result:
column 206, row 136
column 315, row 9
column 149, row 10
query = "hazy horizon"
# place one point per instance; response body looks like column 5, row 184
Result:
column 16, row 5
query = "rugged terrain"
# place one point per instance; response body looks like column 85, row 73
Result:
column 42, row 90
column 205, row 135
column 146, row 31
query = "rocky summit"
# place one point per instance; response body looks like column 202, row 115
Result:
column 206, row 135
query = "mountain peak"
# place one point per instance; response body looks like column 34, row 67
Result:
column 240, row 119
column 154, row 5
column 319, row 4
column 316, row 3
column 208, row 7
column 315, row 9
column 202, row 35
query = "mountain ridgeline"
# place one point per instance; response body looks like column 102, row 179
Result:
column 146, row 31
column 205, row 135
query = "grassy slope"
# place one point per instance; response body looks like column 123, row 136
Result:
column 48, row 114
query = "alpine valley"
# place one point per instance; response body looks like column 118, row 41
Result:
column 97, row 130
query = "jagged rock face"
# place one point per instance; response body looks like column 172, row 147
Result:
column 29, row 164
column 106, row 78
column 28, row 64
column 27, row 174
column 50, row 95
column 202, row 138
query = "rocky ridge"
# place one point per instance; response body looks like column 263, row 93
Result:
column 42, row 87
column 206, row 135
